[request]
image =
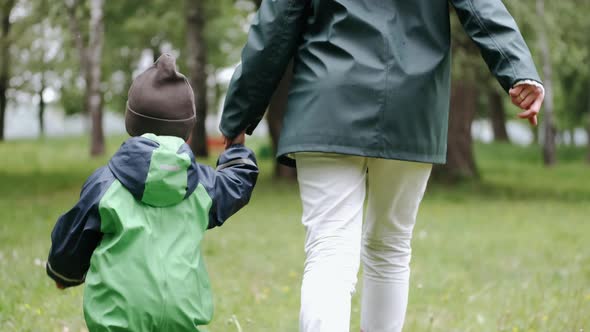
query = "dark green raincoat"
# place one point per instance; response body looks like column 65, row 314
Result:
column 371, row 77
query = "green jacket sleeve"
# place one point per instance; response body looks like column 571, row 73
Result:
column 494, row 31
column 272, row 41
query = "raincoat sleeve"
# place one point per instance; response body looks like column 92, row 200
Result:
column 494, row 31
column 231, row 183
column 77, row 233
column 272, row 41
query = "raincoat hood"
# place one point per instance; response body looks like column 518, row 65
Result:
column 154, row 169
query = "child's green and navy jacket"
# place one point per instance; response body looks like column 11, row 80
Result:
column 134, row 236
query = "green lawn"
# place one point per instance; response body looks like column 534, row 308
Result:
column 510, row 253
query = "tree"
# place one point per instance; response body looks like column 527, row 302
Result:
column 5, row 42
column 460, row 158
column 37, row 55
column 467, row 73
column 497, row 115
column 549, row 149
column 90, row 56
column 588, row 123
column 196, row 61
column 564, row 26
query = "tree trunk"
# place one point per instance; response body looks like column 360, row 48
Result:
column 536, row 134
column 3, row 102
column 90, row 67
column 588, row 125
column 79, row 44
column 274, row 118
column 41, row 114
column 93, row 90
column 76, row 31
column 5, row 59
column 549, row 149
column 196, row 61
column 497, row 116
column 460, row 160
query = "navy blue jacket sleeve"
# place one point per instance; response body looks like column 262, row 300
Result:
column 77, row 233
column 230, row 185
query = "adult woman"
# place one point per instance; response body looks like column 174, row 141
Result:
column 368, row 104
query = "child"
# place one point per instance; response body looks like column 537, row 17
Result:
column 134, row 237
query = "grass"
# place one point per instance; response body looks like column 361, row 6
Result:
column 507, row 253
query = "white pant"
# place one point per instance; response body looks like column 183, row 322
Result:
column 333, row 191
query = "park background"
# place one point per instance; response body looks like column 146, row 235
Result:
column 502, row 239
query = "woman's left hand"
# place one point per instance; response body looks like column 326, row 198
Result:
column 529, row 98
column 240, row 139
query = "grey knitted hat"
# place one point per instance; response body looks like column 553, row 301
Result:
column 160, row 101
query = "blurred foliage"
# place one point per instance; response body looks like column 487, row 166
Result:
column 71, row 99
column 132, row 28
column 137, row 28
column 37, row 60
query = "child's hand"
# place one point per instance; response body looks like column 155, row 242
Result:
column 529, row 98
column 240, row 139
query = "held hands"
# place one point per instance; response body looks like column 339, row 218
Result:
column 529, row 98
column 240, row 139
